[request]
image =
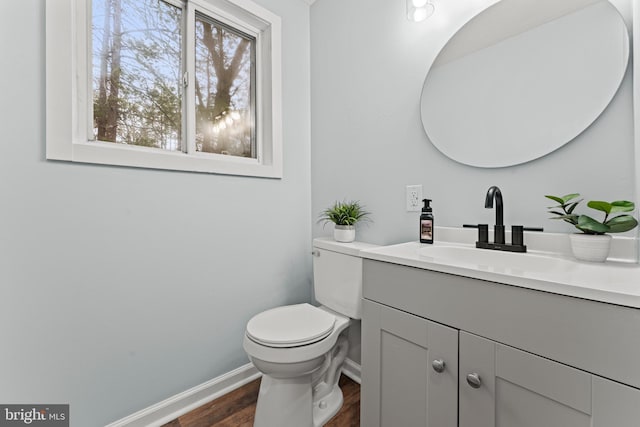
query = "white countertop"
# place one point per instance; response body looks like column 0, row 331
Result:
column 610, row 282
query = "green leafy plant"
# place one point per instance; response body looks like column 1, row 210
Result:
column 616, row 224
column 344, row 213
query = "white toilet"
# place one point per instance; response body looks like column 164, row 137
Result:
column 300, row 348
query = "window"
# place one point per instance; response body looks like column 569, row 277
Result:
column 137, row 73
column 225, row 66
column 189, row 85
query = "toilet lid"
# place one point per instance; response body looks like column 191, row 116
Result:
column 290, row 326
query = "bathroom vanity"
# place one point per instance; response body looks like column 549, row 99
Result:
column 500, row 341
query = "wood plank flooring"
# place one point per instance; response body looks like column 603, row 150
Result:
column 236, row 409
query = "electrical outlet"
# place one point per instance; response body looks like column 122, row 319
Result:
column 414, row 198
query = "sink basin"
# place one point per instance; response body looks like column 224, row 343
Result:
column 493, row 260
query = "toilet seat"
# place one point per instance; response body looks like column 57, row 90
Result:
column 290, row 326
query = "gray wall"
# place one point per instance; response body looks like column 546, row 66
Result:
column 368, row 64
column 121, row 287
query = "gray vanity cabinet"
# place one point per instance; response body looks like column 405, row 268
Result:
column 411, row 367
column 503, row 386
column 512, row 356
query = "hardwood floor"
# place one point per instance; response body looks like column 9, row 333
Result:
column 236, row 409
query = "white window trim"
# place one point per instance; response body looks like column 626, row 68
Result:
column 69, row 94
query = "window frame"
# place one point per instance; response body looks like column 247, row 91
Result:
column 69, row 92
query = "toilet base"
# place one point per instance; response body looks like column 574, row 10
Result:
column 284, row 402
column 327, row 407
column 289, row 402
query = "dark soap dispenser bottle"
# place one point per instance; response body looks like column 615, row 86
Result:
column 426, row 223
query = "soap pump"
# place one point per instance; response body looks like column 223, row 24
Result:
column 426, row 223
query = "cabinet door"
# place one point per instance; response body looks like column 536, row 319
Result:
column 502, row 386
column 400, row 386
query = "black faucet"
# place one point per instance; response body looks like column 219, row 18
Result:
column 517, row 235
column 498, row 231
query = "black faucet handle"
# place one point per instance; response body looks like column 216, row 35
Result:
column 483, row 233
column 517, row 235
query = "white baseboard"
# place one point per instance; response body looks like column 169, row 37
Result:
column 175, row 406
column 352, row 370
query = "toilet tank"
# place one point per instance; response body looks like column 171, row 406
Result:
column 337, row 275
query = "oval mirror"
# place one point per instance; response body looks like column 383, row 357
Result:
column 523, row 78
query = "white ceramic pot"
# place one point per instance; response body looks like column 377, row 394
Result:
column 344, row 233
column 590, row 247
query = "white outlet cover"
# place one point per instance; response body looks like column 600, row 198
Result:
column 413, row 197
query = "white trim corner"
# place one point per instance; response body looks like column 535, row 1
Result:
column 352, row 370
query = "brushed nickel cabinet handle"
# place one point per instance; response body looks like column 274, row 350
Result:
column 474, row 380
column 438, row 365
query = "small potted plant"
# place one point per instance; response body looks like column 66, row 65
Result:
column 345, row 215
column 593, row 243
